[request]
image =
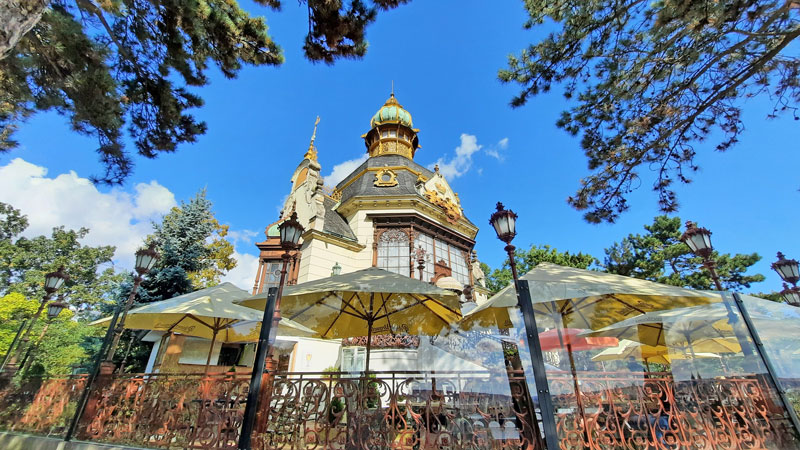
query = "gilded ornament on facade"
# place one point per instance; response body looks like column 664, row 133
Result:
column 451, row 210
column 385, row 178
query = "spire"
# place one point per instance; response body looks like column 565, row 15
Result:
column 312, row 151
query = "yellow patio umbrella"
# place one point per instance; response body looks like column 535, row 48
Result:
column 207, row 313
column 366, row 302
column 650, row 354
column 585, row 298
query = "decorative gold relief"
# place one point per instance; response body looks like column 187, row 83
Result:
column 451, row 210
column 385, row 178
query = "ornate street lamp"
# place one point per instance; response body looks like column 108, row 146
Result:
column 336, row 269
column 52, row 282
column 791, row 295
column 504, row 222
column 290, row 232
column 699, row 242
column 55, row 308
column 788, row 269
column 146, row 258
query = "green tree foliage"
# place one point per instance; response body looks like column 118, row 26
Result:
column 526, row 260
column 659, row 255
column 194, row 251
column 61, row 348
column 25, row 261
column 651, row 79
column 114, row 64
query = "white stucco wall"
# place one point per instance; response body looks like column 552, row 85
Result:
column 314, row 355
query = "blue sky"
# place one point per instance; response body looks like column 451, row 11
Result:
column 443, row 57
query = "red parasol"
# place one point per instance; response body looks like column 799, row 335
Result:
column 568, row 338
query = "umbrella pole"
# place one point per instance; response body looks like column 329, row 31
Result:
column 211, row 350
column 694, row 356
column 575, row 385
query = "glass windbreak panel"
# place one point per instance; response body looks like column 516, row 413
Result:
column 424, row 380
column 655, row 371
column 778, row 326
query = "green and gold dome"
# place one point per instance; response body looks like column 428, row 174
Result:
column 391, row 131
column 391, row 112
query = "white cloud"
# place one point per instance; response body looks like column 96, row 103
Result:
column 495, row 153
column 342, row 170
column 241, row 236
column 117, row 218
column 244, row 274
column 462, row 162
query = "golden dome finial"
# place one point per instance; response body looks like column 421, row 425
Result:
column 312, row 151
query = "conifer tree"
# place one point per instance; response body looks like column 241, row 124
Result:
column 652, row 79
column 659, row 255
column 109, row 65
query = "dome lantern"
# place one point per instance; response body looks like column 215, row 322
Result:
column 391, row 131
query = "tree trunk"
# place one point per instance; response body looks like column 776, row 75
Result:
column 17, row 17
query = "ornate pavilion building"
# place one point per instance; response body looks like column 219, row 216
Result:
column 390, row 213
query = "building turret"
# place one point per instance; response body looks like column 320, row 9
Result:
column 392, row 132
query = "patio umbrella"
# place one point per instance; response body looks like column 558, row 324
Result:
column 649, row 354
column 664, row 328
column 573, row 293
column 207, row 313
column 366, row 302
column 572, row 340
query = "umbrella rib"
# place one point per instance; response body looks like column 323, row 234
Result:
column 333, row 322
column 320, row 301
column 342, row 311
column 575, row 308
column 640, row 311
column 192, row 316
column 363, row 306
column 356, row 312
column 169, row 330
column 386, row 310
column 422, row 302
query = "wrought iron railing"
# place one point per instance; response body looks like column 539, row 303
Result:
column 40, row 405
column 409, row 410
column 653, row 411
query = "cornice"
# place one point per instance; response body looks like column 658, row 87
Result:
column 332, row 239
column 384, row 202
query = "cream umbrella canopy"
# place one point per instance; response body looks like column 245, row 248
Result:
column 570, row 292
column 207, row 313
column 648, row 353
column 366, row 302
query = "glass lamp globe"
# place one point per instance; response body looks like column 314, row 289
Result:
column 504, row 223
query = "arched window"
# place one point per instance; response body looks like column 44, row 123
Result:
column 393, row 251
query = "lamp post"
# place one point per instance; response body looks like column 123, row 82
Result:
column 290, row 232
column 52, row 282
column 699, row 241
column 53, row 310
column 789, row 270
column 504, row 223
column 146, row 258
